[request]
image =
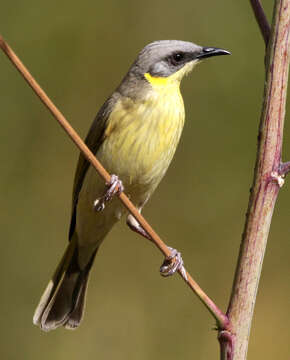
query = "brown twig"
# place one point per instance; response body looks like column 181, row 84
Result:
column 261, row 20
column 266, row 184
column 221, row 318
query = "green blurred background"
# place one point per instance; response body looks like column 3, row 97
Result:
column 79, row 51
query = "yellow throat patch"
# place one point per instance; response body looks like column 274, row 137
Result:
column 174, row 79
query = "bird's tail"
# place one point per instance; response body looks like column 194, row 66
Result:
column 62, row 303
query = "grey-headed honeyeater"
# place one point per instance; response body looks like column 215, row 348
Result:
column 134, row 135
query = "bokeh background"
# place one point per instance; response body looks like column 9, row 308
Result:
column 79, row 51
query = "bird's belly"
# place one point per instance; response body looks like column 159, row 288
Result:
column 143, row 147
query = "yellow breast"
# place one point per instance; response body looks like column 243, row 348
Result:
column 141, row 137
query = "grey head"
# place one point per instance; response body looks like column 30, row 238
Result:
column 165, row 57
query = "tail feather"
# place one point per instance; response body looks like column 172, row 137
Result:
column 62, row 303
column 76, row 315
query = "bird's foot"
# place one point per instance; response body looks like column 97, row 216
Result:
column 115, row 186
column 172, row 264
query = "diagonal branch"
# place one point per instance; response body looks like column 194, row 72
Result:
column 221, row 318
column 261, row 20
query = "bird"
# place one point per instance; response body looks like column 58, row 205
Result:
column 134, row 136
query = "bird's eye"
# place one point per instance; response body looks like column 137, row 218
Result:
column 177, row 58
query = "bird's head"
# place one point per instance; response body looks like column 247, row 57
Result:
column 162, row 59
column 168, row 60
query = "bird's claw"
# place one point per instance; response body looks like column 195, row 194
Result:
column 99, row 204
column 115, row 186
column 172, row 264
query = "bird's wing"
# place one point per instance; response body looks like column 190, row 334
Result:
column 93, row 140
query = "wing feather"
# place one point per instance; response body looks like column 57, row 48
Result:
column 93, row 140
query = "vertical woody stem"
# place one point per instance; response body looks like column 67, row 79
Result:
column 265, row 189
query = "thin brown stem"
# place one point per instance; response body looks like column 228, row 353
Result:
column 266, row 184
column 221, row 318
column 261, row 20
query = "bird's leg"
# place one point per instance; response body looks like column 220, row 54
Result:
column 172, row 263
column 135, row 226
column 115, row 186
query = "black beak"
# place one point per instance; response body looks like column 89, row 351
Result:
column 211, row 51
